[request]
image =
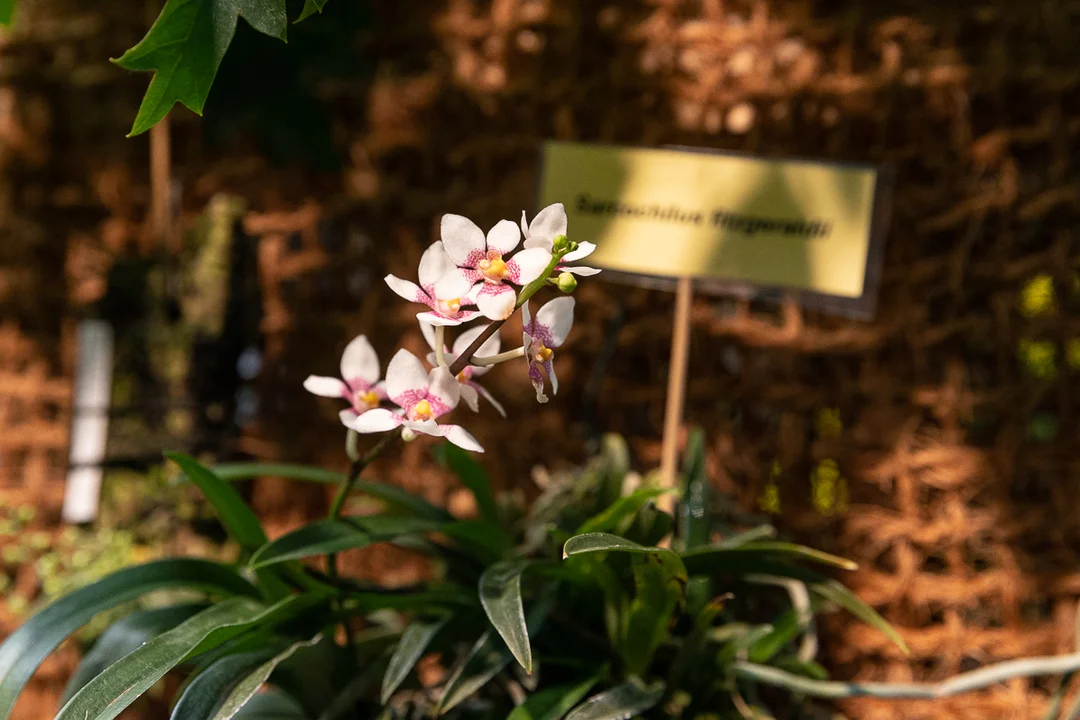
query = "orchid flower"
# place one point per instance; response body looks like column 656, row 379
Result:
column 442, row 288
column 481, row 261
column 359, row 385
column 470, row 389
column 549, row 224
column 541, row 336
column 422, row 398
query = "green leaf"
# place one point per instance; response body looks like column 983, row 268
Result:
column 760, row 532
column 694, row 509
column 748, row 558
column 331, row 536
column 108, row 694
column 620, row 702
column 551, row 703
column 7, row 12
column 243, row 691
column 472, row 475
column 500, row 594
column 624, row 507
column 414, row 641
column 389, row 494
column 656, row 594
column 184, row 48
column 122, row 637
column 603, row 542
column 836, row 593
column 487, row 658
column 310, row 8
column 26, row 648
column 206, row 691
column 234, row 513
column 271, row 705
column 785, row 629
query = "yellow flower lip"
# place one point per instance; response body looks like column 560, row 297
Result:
column 421, row 412
column 494, row 269
column 366, row 400
column 541, row 352
column 449, row 307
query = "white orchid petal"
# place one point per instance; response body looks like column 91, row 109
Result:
column 491, row 346
column 454, row 285
column 584, row 249
column 428, row 331
column 558, row 317
column 461, row 437
column 524, row 226
column 326, row 387
column 377, row 420
column 504, row 237
column 359, row 362
column 526, row 319
column 531, row 264
column 408, row 290
column 549, row 368
column 428, row 427
column 549, row 222
column 348, row 417
column 405, row 375
column 434, row 263
column 431, row 318
column 496, row 302
column 462, row 239
column 487, row 396
column 469, row 397
column 580, row 270
column 444, row 387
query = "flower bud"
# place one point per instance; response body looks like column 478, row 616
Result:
column 560, row 243
column 408, row 434
column 567, row 282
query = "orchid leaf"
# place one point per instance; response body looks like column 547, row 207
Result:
column 500, row 594
column 184, row 49
column 414, row 641
column 620, row 702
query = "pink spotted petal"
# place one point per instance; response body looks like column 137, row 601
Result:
column 405, row 378
column 537, row 379
column 408, row 290
column 496, row 302
column 443, row 389
column 558, row 317
column 528, row 265
column 434, row 318
column 462, row 238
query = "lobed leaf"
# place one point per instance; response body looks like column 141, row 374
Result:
column 500, row 595
column 26, row 648
column 184, row 48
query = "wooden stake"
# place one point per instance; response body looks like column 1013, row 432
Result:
column 676, row 391
column 160, row 185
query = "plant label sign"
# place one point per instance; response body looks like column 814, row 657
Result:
column 732, row 223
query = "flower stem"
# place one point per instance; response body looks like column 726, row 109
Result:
column 501, row 357
column 440, row 345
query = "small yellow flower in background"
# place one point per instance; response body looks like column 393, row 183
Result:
column 1072, row 353
column 1038, row 357
column 1037, row 297
column 829, row 424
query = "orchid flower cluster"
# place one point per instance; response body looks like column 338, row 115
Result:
column 466, row 276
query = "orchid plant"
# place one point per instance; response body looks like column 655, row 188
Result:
column 568, row 608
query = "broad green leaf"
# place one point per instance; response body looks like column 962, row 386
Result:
column 7, row 12
column 234, row 513
column 694, row 510
column 500, row 594
column 487, row 658
column 620, row 702
column 332, row 536
column 310, row 8
column 656, row 594
column 414, row 641
column 26, row 648
column 122, row 637
column 184, row 48
column 603, row 542
column 749, row 557
column 836, row 593
column 551, row 703
column 271, row 705
column 624, row 507
column 389, row 494
column 472, row 475
column 108, row 694
column 243, row 691
column 785, row 629
column 206, row 691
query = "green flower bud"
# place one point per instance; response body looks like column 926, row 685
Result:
column 560, row 243
column 567, row 282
